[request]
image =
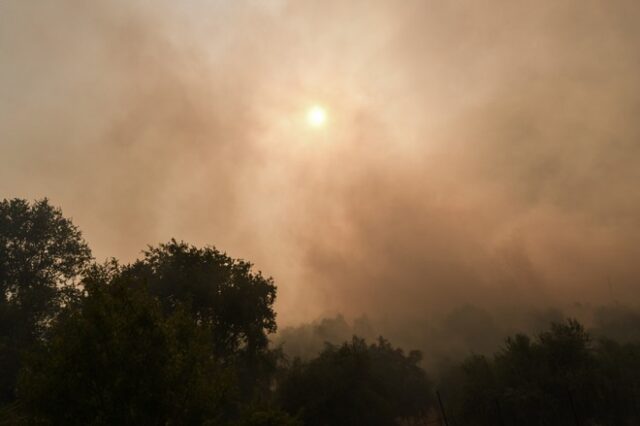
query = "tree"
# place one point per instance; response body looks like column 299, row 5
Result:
column 358, row 384
column 223, row 293
column 41, row 255
column 114, row 357
column 549, row 380
column 618, row 375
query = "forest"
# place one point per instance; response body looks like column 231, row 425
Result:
column 185, row 336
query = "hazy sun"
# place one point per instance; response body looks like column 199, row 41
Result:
column 316, row 116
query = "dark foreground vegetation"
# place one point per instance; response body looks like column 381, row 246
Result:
column 180, row 337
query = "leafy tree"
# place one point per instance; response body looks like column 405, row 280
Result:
column 115, row 358
column 41, row 255
column 223, row 294
column 616, row 399
column 356, row 384
column 550, row 380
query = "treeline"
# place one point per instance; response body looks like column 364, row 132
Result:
column 181, row 337
column 178, row 337
column 560, row 377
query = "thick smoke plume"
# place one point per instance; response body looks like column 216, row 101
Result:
column 477, row 152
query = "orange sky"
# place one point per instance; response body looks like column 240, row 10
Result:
column 474, row 151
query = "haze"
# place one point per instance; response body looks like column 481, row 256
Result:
column 475, row 152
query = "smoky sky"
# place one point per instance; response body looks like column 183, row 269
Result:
column 476, row 152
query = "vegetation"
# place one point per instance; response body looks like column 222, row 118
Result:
column 181, row 336
column 357, row 384
column 115, row 358
column 42, row 254
column 561, row 377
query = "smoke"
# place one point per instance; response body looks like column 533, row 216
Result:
column 476, row 153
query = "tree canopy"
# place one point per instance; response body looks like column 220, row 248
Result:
column 357, row 384
column 222, row 292
column 182, row 336
column 559, row 377
column 42, row 254
column 115, row 358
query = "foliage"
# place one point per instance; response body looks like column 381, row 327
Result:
column 225, row 296
column 181, row 336
column 558, row 378
column 222, row 292
column 115, row 358
column 41, row 256
column 356, row 383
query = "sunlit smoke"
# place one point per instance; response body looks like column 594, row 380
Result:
column 472, row 152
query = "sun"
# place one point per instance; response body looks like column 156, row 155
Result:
column 316, row 116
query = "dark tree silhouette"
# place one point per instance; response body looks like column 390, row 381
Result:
column 116, row 358
column 181, row 336
column 561, row 377
column 222, row 292
column 225, row 295
column 357, row 384
column 41, row 255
